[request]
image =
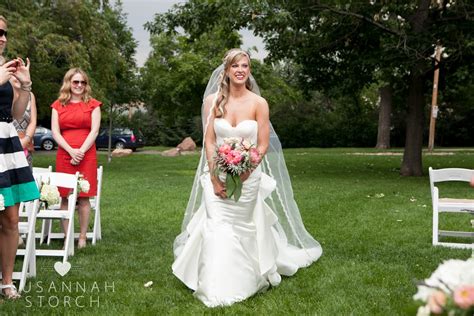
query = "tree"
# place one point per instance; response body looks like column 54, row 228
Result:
column 58, row 35
column 342, row 45
column 175, row 75
column 385, row 111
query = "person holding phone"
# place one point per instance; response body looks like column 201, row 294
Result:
column 16, row 179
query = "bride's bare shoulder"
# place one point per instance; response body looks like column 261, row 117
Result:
column 259, row 101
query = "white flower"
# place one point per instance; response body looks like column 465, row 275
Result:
column 232, row 140
column 84, row 185
column 385, row 16
column 246, row 144
column 148, row 284
column 447, row 277
column 2, row 203
column 423, row 311
column 49, row 194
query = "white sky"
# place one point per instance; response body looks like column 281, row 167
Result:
column 141, row 11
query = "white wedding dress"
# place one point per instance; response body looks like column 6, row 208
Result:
column 234, row 249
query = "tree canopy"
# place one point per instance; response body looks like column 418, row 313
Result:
column 344, row 46
column 58, row 35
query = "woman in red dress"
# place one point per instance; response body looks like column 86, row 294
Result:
column 75, row 123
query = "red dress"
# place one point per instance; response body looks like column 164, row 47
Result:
column 75, row 120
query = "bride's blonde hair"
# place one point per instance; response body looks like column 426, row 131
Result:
column 65, row 91
column 232, row 56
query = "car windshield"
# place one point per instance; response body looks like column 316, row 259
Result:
column 117, row 131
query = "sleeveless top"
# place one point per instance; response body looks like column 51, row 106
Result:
column 6, row 99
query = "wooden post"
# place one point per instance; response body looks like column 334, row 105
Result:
column 434, row 99
column 109, row 146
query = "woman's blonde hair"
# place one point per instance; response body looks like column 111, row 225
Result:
column 232, row 56
column 4, row 20
column 65, row 91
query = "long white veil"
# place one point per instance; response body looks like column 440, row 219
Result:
column 290, row 226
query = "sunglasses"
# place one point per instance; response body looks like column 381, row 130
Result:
column 3, row 33
column 77, row 82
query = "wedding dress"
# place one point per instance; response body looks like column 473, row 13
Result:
column 233, row 250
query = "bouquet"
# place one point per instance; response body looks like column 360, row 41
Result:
column 82, row 184
column 449, row 290
column 234, row 157
column 2, row 202
column 49, row 194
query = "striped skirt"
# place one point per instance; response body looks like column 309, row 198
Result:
column 16, row 180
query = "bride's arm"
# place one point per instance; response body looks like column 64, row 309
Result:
column 210, row 136
column 263, row 121
column 262, row 117
column 210, row 148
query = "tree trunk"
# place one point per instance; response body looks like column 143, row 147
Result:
column 412, row 156
column 385, row 111
column 412, row 162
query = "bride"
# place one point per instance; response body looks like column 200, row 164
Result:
column 228, row 251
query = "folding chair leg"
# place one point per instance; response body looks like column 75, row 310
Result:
column 96, row 233
column 435, row 226
column 45, row 230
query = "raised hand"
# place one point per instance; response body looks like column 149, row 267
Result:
column 22, row 72
column 6, row 71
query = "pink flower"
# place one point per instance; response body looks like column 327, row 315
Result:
column 224, row 149
column 233, row 157
column 254, row 156
column 464, row 296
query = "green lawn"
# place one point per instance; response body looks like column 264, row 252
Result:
column 374, row 227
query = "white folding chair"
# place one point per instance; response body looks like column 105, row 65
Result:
column 451, row 205
column 28, row 228
column 68, row 181
column 38, row 170
column 45, row 225
column 96, row 233
column 27, row 211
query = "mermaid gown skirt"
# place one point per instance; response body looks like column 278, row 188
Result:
column 233, row 249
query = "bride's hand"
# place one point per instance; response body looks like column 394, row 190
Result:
column 219, row 188
column 244, row 176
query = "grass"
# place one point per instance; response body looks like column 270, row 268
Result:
column 374, row 227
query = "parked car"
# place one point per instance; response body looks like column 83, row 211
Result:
column 43, row 138
column 122, row 137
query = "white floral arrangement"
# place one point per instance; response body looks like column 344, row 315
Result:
column 82, row 184
column 49, row 194
column 449, row 290
column 2, row 202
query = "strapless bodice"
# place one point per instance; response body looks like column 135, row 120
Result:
column 247, row 129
